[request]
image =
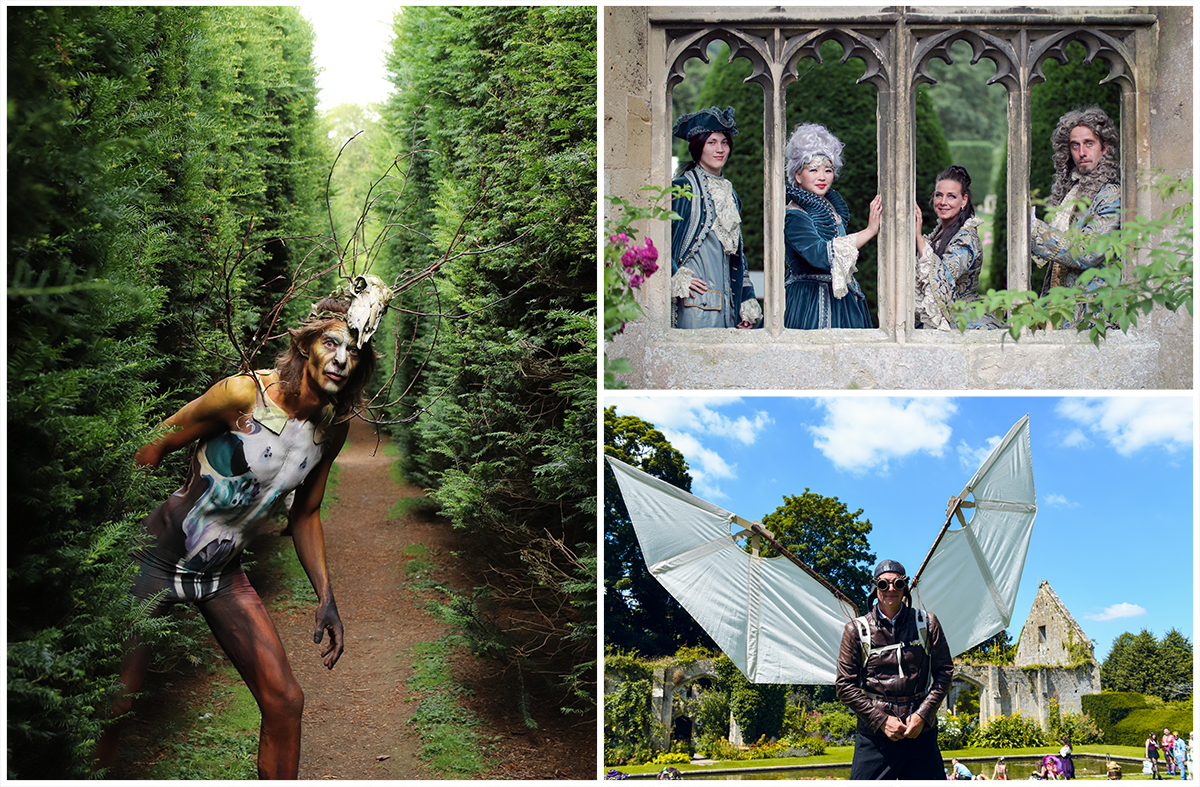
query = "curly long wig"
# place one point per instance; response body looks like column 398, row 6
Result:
column 290, row 364
column 809, row 140
column 1107, row 169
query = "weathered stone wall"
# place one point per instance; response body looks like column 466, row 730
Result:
column 1158, row 354
column 1004, row 691
column 1051, row 637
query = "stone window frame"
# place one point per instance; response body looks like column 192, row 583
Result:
column 897, row 46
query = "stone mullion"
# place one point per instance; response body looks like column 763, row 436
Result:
column 1020, row 124
column 896, row 142
column 657, row 303
column 774, row 198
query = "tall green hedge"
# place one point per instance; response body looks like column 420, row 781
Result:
column 127, row 173
column 497, row 107
column 1110, row 707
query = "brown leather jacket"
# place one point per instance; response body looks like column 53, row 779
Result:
column 903, row 689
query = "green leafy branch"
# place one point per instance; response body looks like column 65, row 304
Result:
column 1112, row 294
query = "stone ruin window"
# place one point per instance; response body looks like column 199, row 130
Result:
column 897, row 48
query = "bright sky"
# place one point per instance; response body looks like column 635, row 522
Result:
column 351, row 45
column 1114, row 480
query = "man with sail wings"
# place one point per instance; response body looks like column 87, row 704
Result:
column 781, row 622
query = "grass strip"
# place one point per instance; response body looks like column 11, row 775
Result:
column 220, row 741
column 451, row 743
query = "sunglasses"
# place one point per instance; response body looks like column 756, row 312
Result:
column 898, row 584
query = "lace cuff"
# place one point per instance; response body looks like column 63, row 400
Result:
column 927, row 308
column 681, row 282
column 842, row 263
column 751, row 311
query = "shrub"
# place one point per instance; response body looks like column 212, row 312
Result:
column 1137, row 726
column 627, row 724
column 1108, row 708
column 837, row 723
column 813, row 745
column 712, row 717
column 1008, row 732
column 670, row 758
column 722, row 749
column 955, row 731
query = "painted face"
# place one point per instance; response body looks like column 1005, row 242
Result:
column 948, row 200
column 816, row 176
column 1086, row 149
column 715, row 153
column 332, row 358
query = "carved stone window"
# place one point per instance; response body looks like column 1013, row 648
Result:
column 897, row 47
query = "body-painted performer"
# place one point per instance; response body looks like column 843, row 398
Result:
column 820, row 255
column 894, row 668
column 950, row 258
column 259, row 437
column 710, row 282
column 1086, row 168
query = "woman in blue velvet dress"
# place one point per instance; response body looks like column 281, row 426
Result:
column 710, row 285
column 950, row 258
column 821, row 257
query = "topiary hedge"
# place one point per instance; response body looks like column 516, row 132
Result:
column 1110, row 707
column 1137, row 726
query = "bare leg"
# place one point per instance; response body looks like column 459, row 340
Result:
column 133, row 674
column 241, row 624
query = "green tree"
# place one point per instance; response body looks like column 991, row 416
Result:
column 823, row 533
column 758, row 708
column 996, row 649
column 968, row 107
column 1175, row 664
column 638, row 611
column 1133, row 665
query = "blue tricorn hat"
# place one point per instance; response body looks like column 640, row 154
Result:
column 711, row 119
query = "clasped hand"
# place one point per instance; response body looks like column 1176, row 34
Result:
column 896, row 730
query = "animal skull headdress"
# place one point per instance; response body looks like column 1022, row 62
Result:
column 369, row 297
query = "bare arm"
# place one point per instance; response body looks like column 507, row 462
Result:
column 309, row 537
column 216, row 409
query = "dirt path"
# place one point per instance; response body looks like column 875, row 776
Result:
column 355, row 714
column 356, row 718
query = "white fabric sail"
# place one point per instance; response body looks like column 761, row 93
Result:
column 971, row 577
column 777, row 623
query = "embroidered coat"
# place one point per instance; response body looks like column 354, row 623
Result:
column 1050, row 245
column 820, row 288
column 689, row 232
column 953, row 277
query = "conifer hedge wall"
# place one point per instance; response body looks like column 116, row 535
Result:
column 497, row 110
column 140, row 143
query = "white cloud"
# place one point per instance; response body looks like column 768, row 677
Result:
column 696, row 415
column 1132, row 423
column 1058, row 501
column 705, row 466
column 971, row 458
column 689, row 423
column 864, row 433
column 1076, row 439
column 1122, row 610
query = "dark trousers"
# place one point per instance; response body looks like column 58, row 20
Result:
column 878, row 757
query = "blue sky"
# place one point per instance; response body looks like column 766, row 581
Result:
column 1113, row 475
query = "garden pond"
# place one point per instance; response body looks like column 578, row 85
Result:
column 1020, row 767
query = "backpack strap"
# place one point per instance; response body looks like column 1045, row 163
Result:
column 864, row 636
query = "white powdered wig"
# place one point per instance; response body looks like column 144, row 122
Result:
column 808, row 141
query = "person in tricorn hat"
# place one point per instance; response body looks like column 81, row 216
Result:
column 894, row 669
column 710, row 280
